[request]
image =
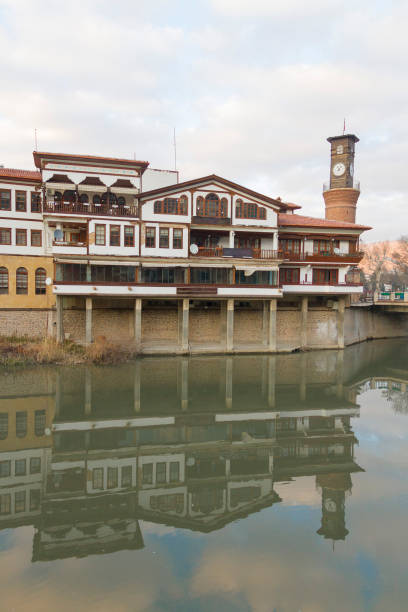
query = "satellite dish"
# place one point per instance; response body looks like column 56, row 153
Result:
column 48, row 281
column 193, row 249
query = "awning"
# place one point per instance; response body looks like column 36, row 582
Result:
column 163, row 265
column 258, row 268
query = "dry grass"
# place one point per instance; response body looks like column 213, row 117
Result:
column 25, row 351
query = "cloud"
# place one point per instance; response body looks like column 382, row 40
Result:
column 252, row 87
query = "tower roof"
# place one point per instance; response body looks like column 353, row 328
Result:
column 352, row 137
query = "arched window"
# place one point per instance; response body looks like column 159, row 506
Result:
column 96, row 199
column 40, row 276
column 183, row 205
column 108, row 197
column 83, row 198
column 121, row 201
column 212, row 204
column 4, row 280
column 224, row 207
column 200, row 206
column 238, row 208
column 57, row 196
column 69, row 196
column 21, row 281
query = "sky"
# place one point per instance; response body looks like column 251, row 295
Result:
column 252, row 87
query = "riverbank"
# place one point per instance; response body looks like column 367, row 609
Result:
column 22, row 351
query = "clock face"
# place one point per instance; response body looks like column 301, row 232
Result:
column 351, row 169
column 330, row 505
column 339, row 169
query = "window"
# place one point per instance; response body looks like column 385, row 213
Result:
column 21, row 424
column 5, row 469
column 290, row 245
column 209, row 276
column 322, row 247
column 150, row 237
column 21, row 201
column 4, row 281
column 5, row 503
column 171, row 206
column 324, row 277
column 248, row 210
column 21, row 281
column 35, row 465
column 21, row 237
column 5, row 235
column 162, row 275
column 84, row 198
column 129, row 236
column 147, row 473
column 212, row 206
column 97, row 478
column 126, row 476
column 100, row 235
column 258, row 277
column 35, row 202
column 5, row 199
column 177, row 238
column 19, row 501
column 121, row 201
column 111, row 198
column 36, row 238
column 289, row 275
column 39, row 422
column 114, row 235
column 112, row 477
column 20, row 467
column 164, row 237
column 96, row 200
column 40, row 277
column 70, row 273
column 174, row 471
column 35, row 499
column 113, row 274
column 160, row 472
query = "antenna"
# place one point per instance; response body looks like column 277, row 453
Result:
column 344, row 126
column 35, row 140
column 175, row 148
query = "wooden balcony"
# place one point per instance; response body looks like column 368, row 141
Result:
column 91, row 210
column 323, row 256
column 236, row 253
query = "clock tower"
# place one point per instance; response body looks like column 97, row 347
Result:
column 342, row 191
column 334, row 488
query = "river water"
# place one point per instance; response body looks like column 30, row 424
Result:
column 261, row 483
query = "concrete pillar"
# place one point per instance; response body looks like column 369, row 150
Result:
column 265, row 317
column 136, row 387
column 184, row 384
column 228, row 382
column 228, row 468
column 183, row 323
column 340, row 323
column 60, row 318
column 231, row 238
column 271, row 380
column 339, row 374
column 138, row 323
column 58, row 395
column 230, row 325
column 88, row 320
column 303, row 377
column 88, row 391
column 272, row 325
column 303, row 321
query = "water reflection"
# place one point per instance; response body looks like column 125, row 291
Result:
column 195, row 443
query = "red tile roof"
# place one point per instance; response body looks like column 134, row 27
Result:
column 96, row 159
column 15, row 173
column 291, row 220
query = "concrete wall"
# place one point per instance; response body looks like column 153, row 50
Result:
column 207, row 325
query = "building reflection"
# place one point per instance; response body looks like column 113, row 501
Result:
column 198, row 443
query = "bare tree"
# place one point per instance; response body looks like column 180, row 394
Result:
column 376, row 260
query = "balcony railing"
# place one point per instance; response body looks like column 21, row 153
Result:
column 63, row 243
column 78, row 208
column 322, row 256
column 201, row 220
column 315, row 284
column 236, row 252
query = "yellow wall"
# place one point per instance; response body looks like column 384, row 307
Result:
column 29, row 405
column 31, row 300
